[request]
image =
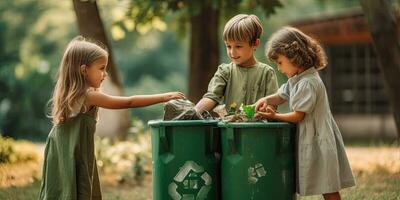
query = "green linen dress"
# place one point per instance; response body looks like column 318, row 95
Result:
column 234, row 84
column 69, row 169
column 322, row 164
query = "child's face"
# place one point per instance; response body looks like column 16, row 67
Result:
column 286, row 67
column 96, row 72
column 241, row 53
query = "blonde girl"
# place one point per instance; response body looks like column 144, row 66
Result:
column 69, row 170
column 322, row 163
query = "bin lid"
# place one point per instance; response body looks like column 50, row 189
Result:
column 255, row 125
column 156, row 123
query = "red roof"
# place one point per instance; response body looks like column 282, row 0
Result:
column 338, row 29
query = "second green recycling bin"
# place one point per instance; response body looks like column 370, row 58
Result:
column 258, row 161
column 186, row 160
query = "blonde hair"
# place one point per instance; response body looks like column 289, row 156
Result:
column 243, row 27
column 71, row 84
column 299, row 48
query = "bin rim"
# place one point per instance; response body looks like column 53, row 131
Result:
column 255, row 124
column 160, row 122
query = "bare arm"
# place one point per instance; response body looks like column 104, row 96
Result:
column 273, row 99
column 96, row 98
column 293, row 117
column 205, row 104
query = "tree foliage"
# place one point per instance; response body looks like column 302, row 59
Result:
column 27, row 58
column 203, row 18
column 144, row 15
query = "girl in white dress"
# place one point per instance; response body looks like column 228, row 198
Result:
column 322, row 164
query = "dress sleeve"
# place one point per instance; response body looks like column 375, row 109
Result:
column 217, row 85
column 304, row 98
column 283, row 91
column 272, row 82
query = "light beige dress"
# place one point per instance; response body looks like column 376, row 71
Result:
column 322, row 164
column 234, row 84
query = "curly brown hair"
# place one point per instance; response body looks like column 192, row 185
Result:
column 299, row 48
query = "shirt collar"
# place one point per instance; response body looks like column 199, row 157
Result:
column 297, row 77
column 248, row 67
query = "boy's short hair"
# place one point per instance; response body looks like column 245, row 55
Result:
column 243, row 27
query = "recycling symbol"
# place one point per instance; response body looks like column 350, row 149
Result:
column 190, row 183
column 255, row 173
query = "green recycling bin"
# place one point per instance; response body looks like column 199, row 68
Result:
column 258, row 161
column 186, row 159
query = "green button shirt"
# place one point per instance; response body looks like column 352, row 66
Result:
column 234, row 84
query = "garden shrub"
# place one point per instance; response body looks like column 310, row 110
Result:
column 6, row 149
column 130, row 159
column 13, row 151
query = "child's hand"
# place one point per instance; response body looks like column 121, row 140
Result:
column 173, row 95
column 261, row 104
column 268, row 113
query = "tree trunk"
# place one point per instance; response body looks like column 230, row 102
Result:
column 91, row 26
column 112, row 123
column 204, row 52
column 383, row 26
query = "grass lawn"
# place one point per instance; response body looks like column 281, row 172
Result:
column 377, row 172
column 30, row 192
column 377, row 186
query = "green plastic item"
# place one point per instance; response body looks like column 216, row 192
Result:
column 249, row 110
column 186, row 159
column 258, row 161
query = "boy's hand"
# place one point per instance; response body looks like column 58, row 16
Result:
column 261, row 104
column 269, row 113
column 173, row 95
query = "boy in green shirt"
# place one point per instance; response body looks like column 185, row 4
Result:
column 244, row 80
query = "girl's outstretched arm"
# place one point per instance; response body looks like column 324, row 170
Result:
column 294, row 117
column 96, row 98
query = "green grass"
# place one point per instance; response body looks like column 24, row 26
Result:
column 378, row 186
column 31, row 192
column 28, row 192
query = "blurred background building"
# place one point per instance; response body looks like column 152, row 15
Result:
column 352, row 78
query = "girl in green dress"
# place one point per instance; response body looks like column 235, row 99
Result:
column 69, row 169
column 322, row 164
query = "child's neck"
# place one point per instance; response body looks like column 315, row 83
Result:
column 301, row 70
column 248, row 63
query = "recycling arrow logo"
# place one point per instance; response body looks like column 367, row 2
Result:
column 255, row 173
column 190, row 183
